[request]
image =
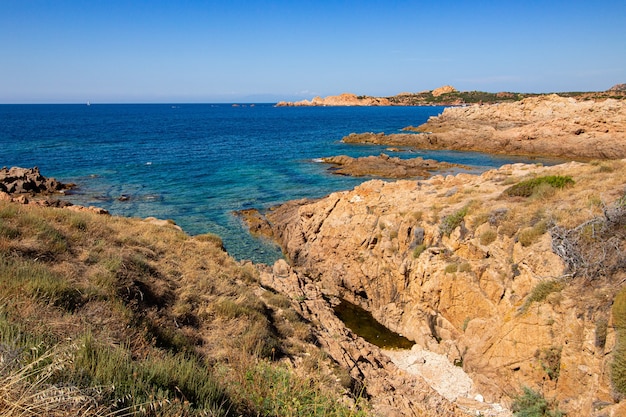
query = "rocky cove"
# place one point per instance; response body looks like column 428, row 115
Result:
column 504, row 280
column 503, row 287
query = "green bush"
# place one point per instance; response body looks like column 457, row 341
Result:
column 418, row 250
column 451, row 222
column 533, row 404
column 528, row 187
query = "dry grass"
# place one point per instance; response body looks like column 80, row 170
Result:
column 140, row 319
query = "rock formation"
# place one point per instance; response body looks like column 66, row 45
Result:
column 28, row 181
column 387, row 167
column 28, row 186
column 470, row 273
column 545, row 125
column 443, row 90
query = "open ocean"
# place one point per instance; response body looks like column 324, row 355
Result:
column 197, row 163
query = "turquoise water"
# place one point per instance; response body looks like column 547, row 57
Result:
column 197, row 163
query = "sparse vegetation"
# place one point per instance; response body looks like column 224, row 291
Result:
column 550, row 360
column 594, row 248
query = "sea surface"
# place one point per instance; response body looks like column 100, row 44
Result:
column 198, row 163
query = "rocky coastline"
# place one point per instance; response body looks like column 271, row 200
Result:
column 537, row 126
column 455, row 264
column 505, row 280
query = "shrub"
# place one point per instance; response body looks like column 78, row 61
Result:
column 529, row 235
column 451, row 222
column 418, row 250
column 529, row 187
column 533, row 404
column 451, row 268
column 487, row 237
column 541, row 292
column 550, row 360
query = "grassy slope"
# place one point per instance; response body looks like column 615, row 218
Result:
column 111, row 316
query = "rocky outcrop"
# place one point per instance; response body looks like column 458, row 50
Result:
column 469, row 273
column 443, row 90
column 545, row 125
column 17, row 180
column 28, row 186
column 345, row 99
column 388, row 167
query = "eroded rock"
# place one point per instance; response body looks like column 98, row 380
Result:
column 441, row 262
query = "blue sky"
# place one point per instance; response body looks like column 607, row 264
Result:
column 57, row 51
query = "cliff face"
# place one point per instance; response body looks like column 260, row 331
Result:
column 470, row 273
column 545, row 125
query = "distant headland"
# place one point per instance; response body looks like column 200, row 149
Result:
column 446, row 96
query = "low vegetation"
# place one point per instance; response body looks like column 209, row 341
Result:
column 618, row 368
column 530, row 187
column 452, row 221
column 533, row 404
column 111, row 316
column 542, row 291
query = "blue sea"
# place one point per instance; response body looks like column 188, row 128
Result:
column 198, row 163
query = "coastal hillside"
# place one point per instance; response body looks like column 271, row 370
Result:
column 515, row 276
column 111, row 316
column 446, row 96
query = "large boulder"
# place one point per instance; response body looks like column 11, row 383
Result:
column 17, row 180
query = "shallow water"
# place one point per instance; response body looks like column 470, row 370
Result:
column 197, row 163
column 363, row 324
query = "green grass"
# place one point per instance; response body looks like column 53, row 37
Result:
column 529, row 187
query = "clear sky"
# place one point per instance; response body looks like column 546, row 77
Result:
column 57, row 51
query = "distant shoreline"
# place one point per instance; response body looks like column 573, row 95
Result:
column 447, row 96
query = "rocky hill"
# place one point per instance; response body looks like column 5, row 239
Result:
column 510, row 275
